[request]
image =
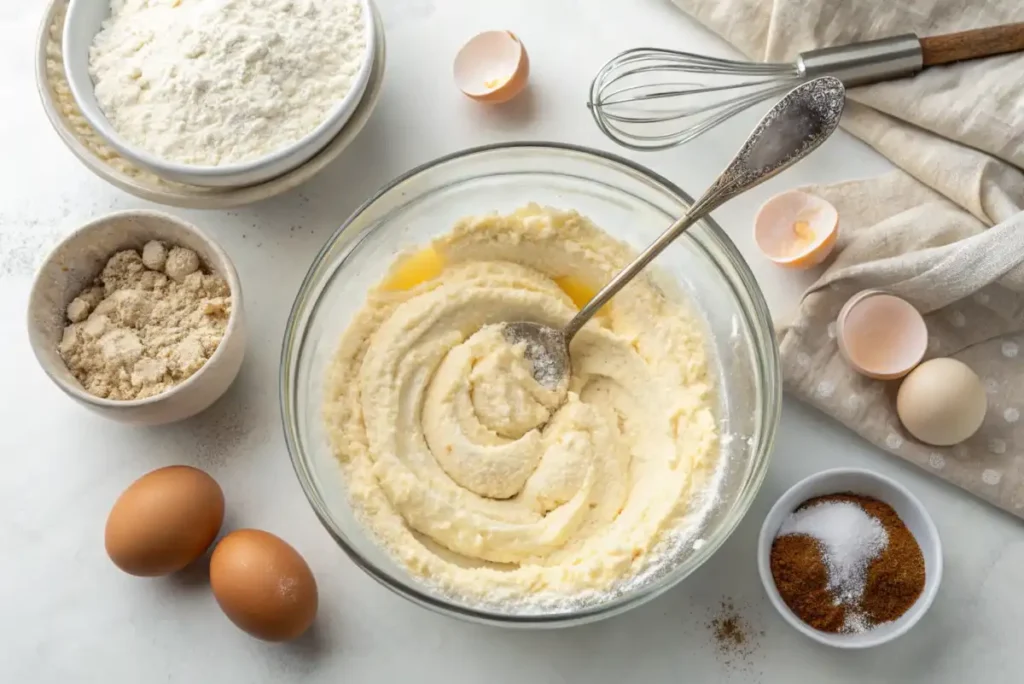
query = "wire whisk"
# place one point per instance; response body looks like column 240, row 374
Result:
column 634, row 107
column 654, row 99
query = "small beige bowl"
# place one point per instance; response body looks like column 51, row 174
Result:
column 76, row 261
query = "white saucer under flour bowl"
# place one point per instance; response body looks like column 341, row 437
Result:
column 86, row 144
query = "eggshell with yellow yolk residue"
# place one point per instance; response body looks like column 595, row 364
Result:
column 796, row 229
column 492, row 67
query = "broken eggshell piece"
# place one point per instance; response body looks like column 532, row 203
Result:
column 492, row 67
column 796, row 229
column 880, row 335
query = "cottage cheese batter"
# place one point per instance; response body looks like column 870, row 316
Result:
column 472, row 474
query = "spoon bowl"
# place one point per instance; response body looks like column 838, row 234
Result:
column 547, row 350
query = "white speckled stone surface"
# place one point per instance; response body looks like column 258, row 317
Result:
column 68, row 615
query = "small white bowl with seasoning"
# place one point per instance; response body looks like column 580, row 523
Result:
column 209, row 97
column 139, row 317
column 838, row 550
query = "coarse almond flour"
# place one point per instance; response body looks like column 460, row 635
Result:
column 148, row 323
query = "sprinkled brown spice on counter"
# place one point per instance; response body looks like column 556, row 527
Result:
column 736, row 639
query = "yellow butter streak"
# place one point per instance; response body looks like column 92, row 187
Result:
column 427, row 264
column 579, row 292
column 414, row 269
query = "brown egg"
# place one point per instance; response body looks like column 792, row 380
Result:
column 165, row 520
column 263, row 585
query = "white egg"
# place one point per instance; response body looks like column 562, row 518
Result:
column 942, row 402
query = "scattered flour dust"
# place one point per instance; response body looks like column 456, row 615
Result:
column 213, row 82
column 148, row 323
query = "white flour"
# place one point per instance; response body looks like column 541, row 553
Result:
column 213, row 82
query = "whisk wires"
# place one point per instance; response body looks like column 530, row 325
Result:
column 652, row 99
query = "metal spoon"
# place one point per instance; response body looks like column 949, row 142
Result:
column 794, row 127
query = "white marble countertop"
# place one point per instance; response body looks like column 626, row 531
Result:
column 69, row 615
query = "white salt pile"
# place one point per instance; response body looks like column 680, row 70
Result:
column 850, row 539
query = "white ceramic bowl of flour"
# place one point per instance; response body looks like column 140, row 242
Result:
column 866, row 483
column 84, row 21
column 74, row 264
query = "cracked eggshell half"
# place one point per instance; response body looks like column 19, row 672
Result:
column 880, row 335
column 492, row 67
column 796, row 229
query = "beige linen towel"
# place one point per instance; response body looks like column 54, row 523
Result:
column 946, row 232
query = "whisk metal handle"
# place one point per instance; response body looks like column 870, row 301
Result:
column 888, row 58
column 863, row 63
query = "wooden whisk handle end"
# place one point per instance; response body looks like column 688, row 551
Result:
column 985, row 42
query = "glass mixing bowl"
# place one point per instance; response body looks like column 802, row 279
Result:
column 632, row 204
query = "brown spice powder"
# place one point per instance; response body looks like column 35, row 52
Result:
column 802, row 580
column 894, row 580
column 736, row 640
column 729, row 632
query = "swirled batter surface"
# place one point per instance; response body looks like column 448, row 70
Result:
column 476, row 477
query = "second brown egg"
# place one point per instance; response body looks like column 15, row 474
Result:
column 263, row 585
